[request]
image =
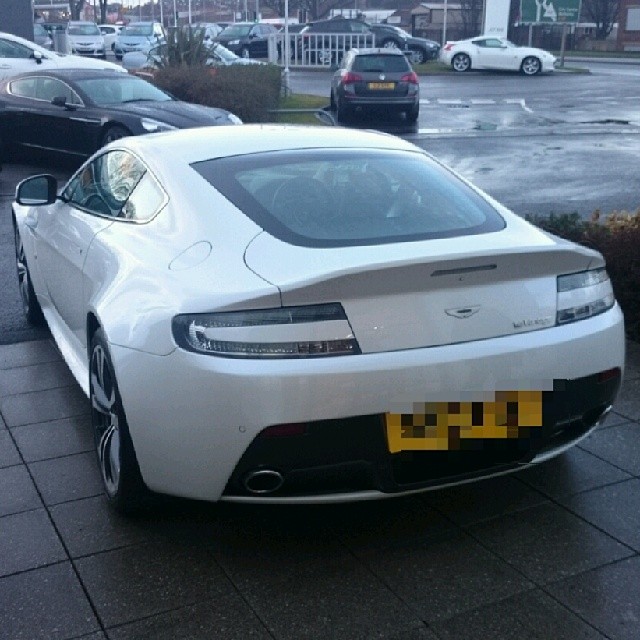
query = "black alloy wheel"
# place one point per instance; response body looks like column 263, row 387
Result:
column 114, row 132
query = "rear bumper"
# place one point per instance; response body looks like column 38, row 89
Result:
column 401, row 102
column 193, row 418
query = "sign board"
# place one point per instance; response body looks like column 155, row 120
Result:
column 545, row 11
column 496, row 18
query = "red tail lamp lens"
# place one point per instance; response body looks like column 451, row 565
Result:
column 283, row 430
column 609, row 374
column 411, row 78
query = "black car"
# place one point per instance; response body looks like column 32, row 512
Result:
column 418, row 50
column 375, row 79
column 247, row 39
column 78, row 111
column 325, row 42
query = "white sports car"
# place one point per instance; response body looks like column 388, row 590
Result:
column 487, row 52
column 292, row 314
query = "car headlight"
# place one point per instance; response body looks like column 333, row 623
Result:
column 287, row 332
column 583, row 295
column 234, row 42
column 234, row 118
column 154, row 126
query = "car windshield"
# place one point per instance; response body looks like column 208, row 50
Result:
column 137, row 30
column 84, row 30
column 236, row 30
column 333, row 197
column 103, row 91
column 402, row 32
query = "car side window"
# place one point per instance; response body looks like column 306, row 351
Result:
column 104, row 184
column 145, row 200
column 50, row 88
column 10, row 49
column 480, row 43
column 24, row 88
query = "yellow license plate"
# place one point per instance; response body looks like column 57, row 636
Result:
column 381, row 85
column 443, row 426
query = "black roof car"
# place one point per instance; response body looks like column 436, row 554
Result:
column 418, row 50
column 247, row 39
column 77, row 111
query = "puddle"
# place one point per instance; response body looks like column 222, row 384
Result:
column 485, row 126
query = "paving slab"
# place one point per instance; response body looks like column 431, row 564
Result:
column 35, row 377
column 619, row 446
column 17, row 491
column 9, row 455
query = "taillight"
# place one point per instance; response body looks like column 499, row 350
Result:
column 411, row 78
column 448, row 46
column 351, row 78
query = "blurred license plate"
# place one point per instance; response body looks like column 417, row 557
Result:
column 381, row 85
column 443, row 426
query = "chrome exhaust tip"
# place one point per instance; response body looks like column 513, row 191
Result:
column 263, row 481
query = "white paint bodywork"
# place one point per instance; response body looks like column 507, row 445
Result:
column 192, row 416
column 48, row 60
column 508, row 57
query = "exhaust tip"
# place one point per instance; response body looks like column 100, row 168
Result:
column 263, row 481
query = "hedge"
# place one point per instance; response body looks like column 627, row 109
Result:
column 250, row 91
column 617, row 237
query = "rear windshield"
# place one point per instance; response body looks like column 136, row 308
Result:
column 137, row 30
column 332, row 198
column 83, row 30
column 379, row 63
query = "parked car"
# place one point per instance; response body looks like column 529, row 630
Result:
column 41, row 36
column 18, row 55
column 110, row 32
column 326, row 41
column 76, row 111
column 86, row 39
column 247, row 39
column 375, row 79
column 217, row 56
column 138, row 36
column 487, row 52
column 290, row 314
column 418, row 50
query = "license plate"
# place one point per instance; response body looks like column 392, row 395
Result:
column 444, row 426
column 381, row 85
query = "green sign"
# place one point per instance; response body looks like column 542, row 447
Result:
column 540, row 11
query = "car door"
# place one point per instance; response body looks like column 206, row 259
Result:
column 90, row 203
column 16, row 58
column 492, row 53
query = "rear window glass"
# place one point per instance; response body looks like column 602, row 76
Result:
column 379, row 63
column 332, row 198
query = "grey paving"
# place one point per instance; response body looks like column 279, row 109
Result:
column 550, row 552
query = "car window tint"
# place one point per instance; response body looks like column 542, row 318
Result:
column 373, row 63
column 25, row 88
column 9, row 49
column 343, row 197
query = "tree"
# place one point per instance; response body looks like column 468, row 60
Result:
column 470, row 15
column 76, row 7
column 604, row 13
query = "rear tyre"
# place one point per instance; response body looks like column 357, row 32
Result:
column 530, row 66
column 412, row 115
column 30, row 305
column 342, row 112
column 118, row 57
column 114, row 132
column 461, row 62
column 117, row 460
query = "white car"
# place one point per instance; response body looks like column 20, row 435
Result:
column 289, row 314
column 487, row 52
column 18, row 55
column 218, row 56
column 110, row 32
column 86, row 39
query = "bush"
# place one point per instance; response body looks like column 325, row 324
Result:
column 183, row 48
column 617, row 238
column 250, row 91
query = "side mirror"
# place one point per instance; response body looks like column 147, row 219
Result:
column 37, row 56
column 61, row 101
column 37, row 190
